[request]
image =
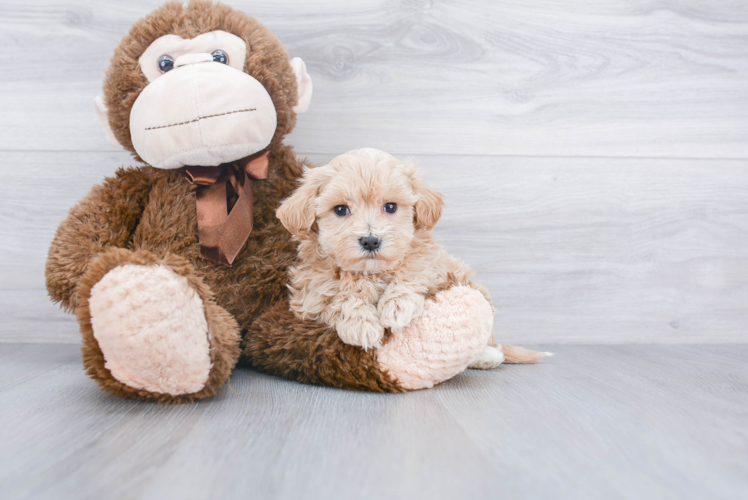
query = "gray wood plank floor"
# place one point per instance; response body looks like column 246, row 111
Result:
column 593, row 158
column 635, row 422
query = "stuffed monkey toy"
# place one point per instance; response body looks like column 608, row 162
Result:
column 176, row 269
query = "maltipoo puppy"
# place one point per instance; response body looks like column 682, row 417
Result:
column 367, row 256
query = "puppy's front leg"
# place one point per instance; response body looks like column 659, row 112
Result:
column 399, row 305
column 357, row 324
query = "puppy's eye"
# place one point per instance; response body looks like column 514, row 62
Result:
column 165, row 63
column 220, row 56
column 342, row 210
column 390, row 208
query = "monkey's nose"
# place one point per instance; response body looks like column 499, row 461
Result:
column 369, row 243
column 186, row 59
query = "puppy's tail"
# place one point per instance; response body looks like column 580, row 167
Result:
column 519, row 355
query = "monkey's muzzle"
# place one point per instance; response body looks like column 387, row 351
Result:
column 201, row 113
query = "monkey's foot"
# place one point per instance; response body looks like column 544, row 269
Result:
column 452, row 331
column 151, row 326
column 151, row 329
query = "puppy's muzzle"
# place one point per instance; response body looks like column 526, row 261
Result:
column 369, row 243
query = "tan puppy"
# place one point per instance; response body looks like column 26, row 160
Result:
column 367, row 256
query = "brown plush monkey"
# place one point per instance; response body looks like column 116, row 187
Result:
column 169, row 290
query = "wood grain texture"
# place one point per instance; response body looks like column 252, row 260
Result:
column 575, row 248
column 572, row 249
column 20, row 363
column 602, row 250
column 635, row 78
column 617, row 422
column 535, row 119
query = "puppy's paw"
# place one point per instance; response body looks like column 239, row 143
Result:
column 364, row 332
column 491, row 357
column 398, row 310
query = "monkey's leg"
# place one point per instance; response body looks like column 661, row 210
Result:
column 453, row 329
column 151, row 329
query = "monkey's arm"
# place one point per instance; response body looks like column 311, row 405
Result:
column 105, row 218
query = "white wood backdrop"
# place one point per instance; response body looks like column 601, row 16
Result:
column 593, row 154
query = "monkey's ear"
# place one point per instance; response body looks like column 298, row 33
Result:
column 297, row 213
column 428, row 208
column 103, row 120
column 303, row 83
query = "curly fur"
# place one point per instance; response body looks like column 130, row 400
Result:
column 281, row 344
column 338, row 282
column 144, row 216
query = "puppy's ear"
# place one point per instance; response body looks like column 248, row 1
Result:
column 297, row 213
column 428, row 208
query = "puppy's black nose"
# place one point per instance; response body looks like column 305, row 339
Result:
column 369, row 243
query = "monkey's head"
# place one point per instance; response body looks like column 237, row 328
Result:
column 200, row 84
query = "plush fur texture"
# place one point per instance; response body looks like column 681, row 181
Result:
column 224, row 332
column 337, row 280
column 360, row 292
column 165, row 346
column 280, row 343
column 460, row 319
column 266, row 60
column 144, row 217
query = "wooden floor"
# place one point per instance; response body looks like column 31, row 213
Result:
column 609, row 422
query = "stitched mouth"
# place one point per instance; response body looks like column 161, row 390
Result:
column 202, row 118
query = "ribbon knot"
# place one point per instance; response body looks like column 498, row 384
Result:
column 222, row 234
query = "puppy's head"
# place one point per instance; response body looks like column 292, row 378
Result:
column 367, row 207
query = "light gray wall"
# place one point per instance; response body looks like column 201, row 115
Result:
column 592, row 154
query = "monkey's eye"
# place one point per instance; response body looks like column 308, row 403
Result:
column 165, row 63
column 390, row 208
column 220, row 56
column 342, row 210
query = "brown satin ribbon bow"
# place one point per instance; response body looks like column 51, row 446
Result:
column 222, row 233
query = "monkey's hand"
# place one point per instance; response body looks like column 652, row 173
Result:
column 399, row 306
